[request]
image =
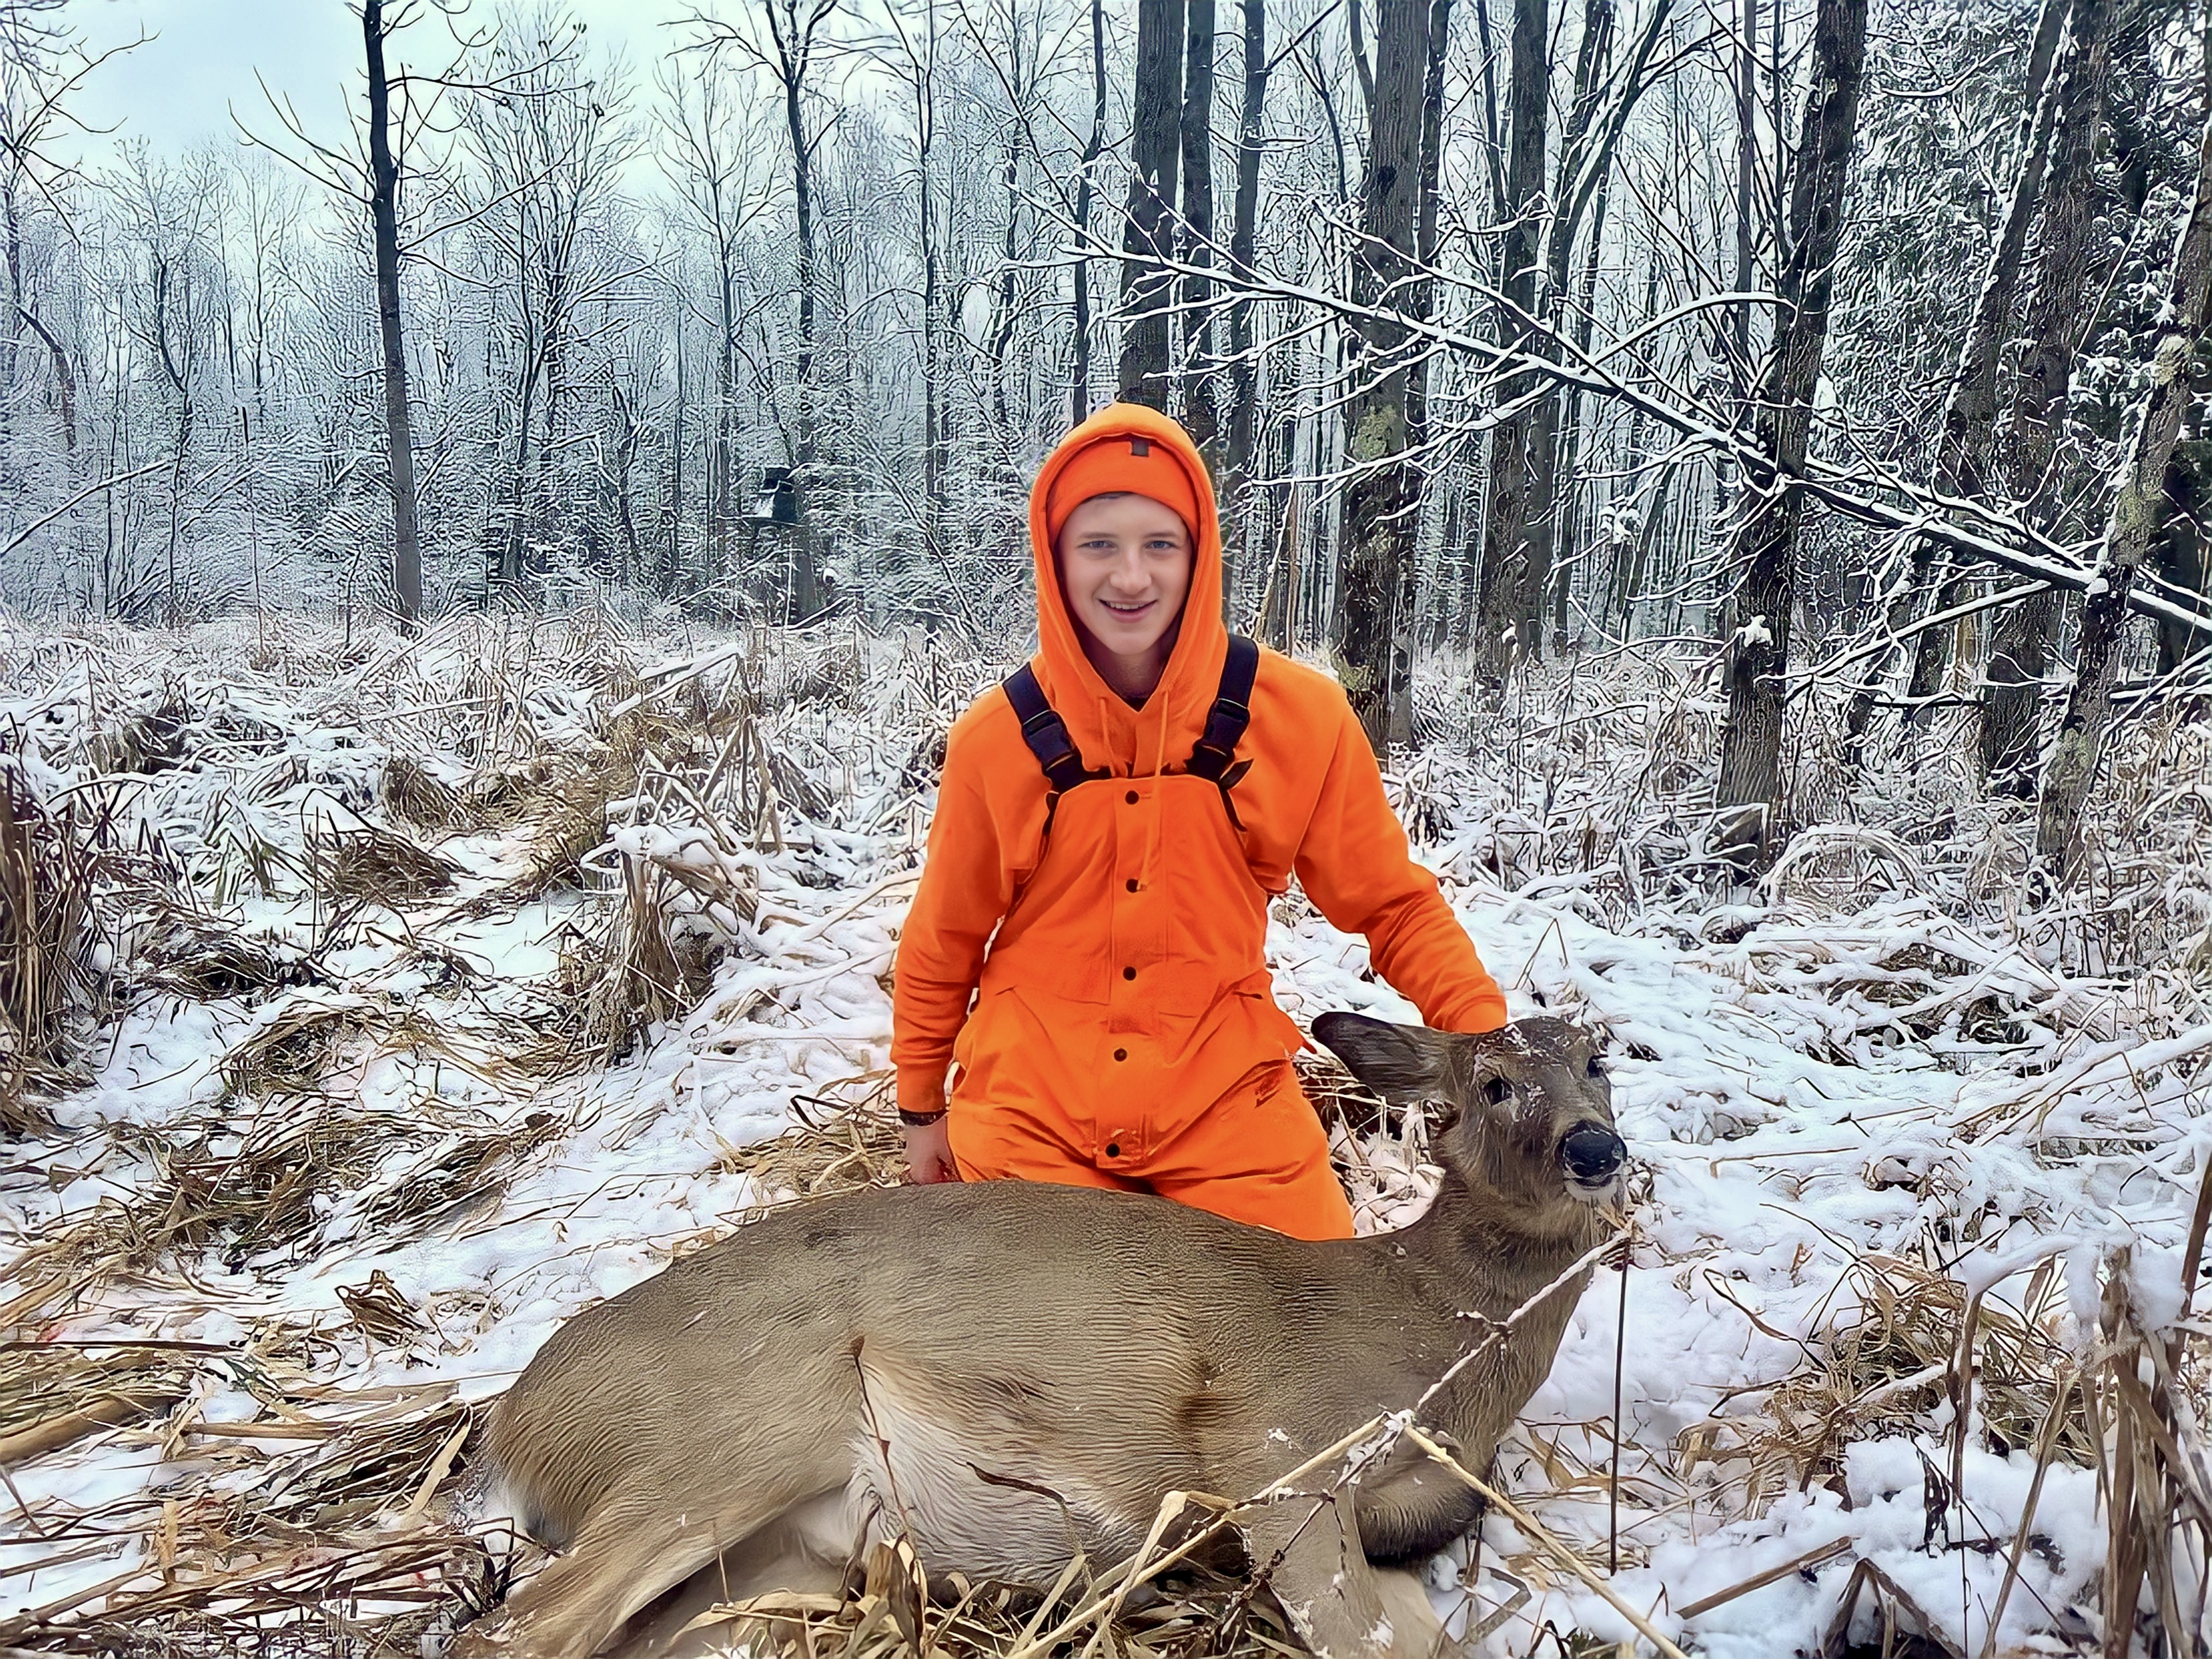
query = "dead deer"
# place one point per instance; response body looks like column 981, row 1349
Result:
column 1003, row 1374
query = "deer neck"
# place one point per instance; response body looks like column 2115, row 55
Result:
column 1478, row 1254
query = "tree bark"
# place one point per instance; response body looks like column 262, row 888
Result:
column 1199, row 414
column 1747, row 172
column 793, row 36
column 1425, row 232
column 2177, row 549
column 1243, row 245
column 2067, row 280
column 1086, row 187
column 1765, row 545
column 1376, row 534
column 933, row 354
column 1543, row 532
column 1148, row 236
column 2139, row 492
column 1501, row 589
column 399, row 427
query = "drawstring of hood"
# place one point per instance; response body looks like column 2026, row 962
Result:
column 1105, row 729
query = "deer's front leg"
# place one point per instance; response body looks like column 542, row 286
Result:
column 1308, row 1548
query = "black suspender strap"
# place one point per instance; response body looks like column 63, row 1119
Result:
column 1045, row 733
column 1214, row 758
column 1230, row 713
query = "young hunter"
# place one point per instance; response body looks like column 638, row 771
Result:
column 1111, row 826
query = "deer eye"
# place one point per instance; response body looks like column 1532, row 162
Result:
column 1596, row 1066
column 1497, row 1091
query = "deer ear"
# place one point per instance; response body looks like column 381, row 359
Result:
column 1398, row 1062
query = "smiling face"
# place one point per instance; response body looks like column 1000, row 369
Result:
column 1125, row 564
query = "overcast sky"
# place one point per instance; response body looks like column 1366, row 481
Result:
column 179, row 88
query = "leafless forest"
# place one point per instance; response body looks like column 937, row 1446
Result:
column 486, row 584
column 1842, row 346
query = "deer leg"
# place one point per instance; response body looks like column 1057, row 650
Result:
column 620, row 1563
column 805, row 1552
column 1309, row 1547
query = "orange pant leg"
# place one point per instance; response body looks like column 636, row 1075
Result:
column 992, row 1143
column 1258, row 1155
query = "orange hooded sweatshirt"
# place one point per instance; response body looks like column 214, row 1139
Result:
column 1125, row 1003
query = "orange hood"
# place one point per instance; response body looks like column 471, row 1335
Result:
column 1106, row 730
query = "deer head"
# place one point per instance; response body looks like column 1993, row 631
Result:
column 1529, row 1112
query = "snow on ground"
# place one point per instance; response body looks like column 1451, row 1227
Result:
column 1849, row 1119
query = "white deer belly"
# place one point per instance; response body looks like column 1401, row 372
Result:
column 979, row 1497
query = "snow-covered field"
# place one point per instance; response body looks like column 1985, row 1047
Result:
column 445, row 988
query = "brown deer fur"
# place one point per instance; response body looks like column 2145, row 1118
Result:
column 1044, row 1363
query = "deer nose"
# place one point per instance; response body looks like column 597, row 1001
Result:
column 1593, row 1153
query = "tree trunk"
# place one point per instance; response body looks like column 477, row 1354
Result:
column 1962, row 447
column 1147, row 292
column 2177, row 551
column 2139, row 494
column 666, row 586
column 1543, row 532
column 64, row 385
column 398, row 427
column 1765, row 545
column 1199, row 413
column 1002, row 333
column 722, row 476
column 933, row 354
column 1243, row 244
column 805, row 596
column 1747, row 172
column 1425, row 232
column 1501, row 598
column 1376, row 534
column 2068, row 278
column 1571, row 436
column 1080, row 390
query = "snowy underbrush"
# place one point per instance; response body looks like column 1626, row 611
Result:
column 395, row 999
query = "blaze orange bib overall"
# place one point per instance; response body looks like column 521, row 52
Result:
column 1107, row 924
column 1171, row 1065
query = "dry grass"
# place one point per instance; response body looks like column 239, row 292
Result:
column 58, row 866
column 191, row 954
column 418, row 799
column 659, row 794
column 364, row 866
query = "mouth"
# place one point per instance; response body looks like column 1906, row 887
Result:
column 1126, row 613
column 1611, row 1190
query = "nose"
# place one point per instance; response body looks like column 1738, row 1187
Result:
column 1593, row 1153
column 1129, row 573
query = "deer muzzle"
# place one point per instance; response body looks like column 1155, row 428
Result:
column 1594, row 1156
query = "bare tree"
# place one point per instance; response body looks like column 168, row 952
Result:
column 1962, row 447
column 1085, row 189
column 1199, row 413
column 1148, row 237
column 1503, row 591
column 2068, row 278
column 551, row 143
column 797, row 43
column 709, row 164
column 1372, row 635
column 1765, row 546
column 1243, row 243
column 2138, row 491
column 917, row 67
column 377, row 26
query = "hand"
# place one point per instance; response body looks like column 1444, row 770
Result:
column 929, row 1154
